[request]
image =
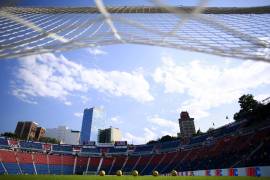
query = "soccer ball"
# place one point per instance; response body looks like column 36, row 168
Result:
column 119, row 173
column 155, row 173
column 135, row 173
column 102, row 173
column 174, row 173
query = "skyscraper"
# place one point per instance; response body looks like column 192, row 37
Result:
column 86, row 126
column 186, row 124
column 109, row 135
column 29, row 130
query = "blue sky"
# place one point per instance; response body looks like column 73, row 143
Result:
column 140, row 89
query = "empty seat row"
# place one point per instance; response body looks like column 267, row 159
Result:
column 144, row 148
column 90, row 150
column 62, row 148
column 117, row 150
column 3, row 142
column 31, row 145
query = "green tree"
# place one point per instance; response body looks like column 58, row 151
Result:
column 199, row 132
column 10, row 135
column 248, row 106
column 210, row 129
column 236, row 116
column 247, row 103
column 151, row 142
column 167, row 138
column 49, row 140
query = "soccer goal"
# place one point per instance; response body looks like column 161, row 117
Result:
column 231, row 32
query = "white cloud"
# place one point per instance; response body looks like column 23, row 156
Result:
column 209, row 86
column 68, row 103
column 53, row 76
column 135, row 139
column 96, row 51
column 85, row 99
column 158, row 127
column 261, row 97
column 168, row 127
column 78, row 114
column 116, row 120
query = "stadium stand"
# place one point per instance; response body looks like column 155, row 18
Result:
column 131, row 162
column 31, row 145
column 55, row 164
column 107, row 164
column 3, row 142
column 144, row 149
column 10, row 162
column 163, row 165
column 230, row 146
column 62, row 148
column 118, row 164
column 152, row 163
column 198, row 139
column 143, row 162
column 82, row 164
column 113, row 150
column 25, row 161
column 41, row 163
column 2, row 170
column 13, row 143
column 93, row 164
column 167, row 146
column 68, row 164
column 89, row 150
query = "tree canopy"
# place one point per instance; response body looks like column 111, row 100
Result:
column 10, row 135
column 165, row 138
column 247, row 102
column 252, row 110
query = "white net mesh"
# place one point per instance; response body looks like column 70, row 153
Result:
column 232, row 32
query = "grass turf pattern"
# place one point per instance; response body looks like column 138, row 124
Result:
column 79, row 177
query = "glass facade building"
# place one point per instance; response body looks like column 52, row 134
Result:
column 86, row 126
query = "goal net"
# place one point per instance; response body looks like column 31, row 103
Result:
column 231, row 32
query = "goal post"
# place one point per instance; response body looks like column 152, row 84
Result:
column 225, row 31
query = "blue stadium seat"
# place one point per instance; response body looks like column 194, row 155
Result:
column 67, row 169
column 130, row 163
column 198, row 139
column 118, row 164
column 148, row 170
column 62, row 148
column 128, row 168
column 55, row 169
column 144, row 149
column 90, row 150
column 2, row 170
column 12, row 168
column 3, row 142
column 42, row 168
column 27, row 168
column 169, row 145
column 31, row 145
column 114, row 150
column 80, row 169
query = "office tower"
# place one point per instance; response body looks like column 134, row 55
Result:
column 86, row 125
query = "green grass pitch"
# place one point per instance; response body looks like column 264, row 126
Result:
column 56, row 177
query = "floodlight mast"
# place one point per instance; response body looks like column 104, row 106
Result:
column 227, row 31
